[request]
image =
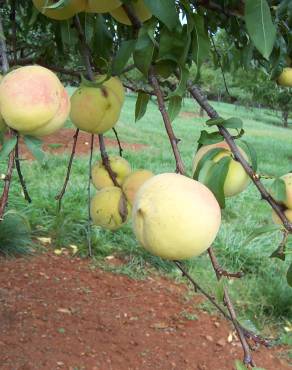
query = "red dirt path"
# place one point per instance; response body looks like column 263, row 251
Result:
column 62, row 141
column 58, row 313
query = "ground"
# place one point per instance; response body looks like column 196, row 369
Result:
column 62, row 141
column 58, row 312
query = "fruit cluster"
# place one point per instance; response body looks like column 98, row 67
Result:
column 111, row 206
column 72, row 7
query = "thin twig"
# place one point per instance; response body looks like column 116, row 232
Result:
column 89, row 197
column 19, row 172
column 59, row 197
column 254, row 337
column 220, row 64
column 14, row 29
column 167, row 123
column 203, row 102
column 247, row 354
column 105, row 160
column 119, row 142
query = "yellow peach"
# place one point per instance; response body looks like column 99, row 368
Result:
column 133, row 182
column 139, row 8
column 30, row 97
column 285, row 78
column 62, row 13
column 175, row 217
column 101, row 6
column 97, row 109
column 100, row 176
column 109, row 208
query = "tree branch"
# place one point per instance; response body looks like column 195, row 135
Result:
column 173, row 140
column 203, row 102
column 59, row 197
column 18, row 169
column 118, row 141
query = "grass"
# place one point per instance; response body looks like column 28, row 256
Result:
column 263, row 296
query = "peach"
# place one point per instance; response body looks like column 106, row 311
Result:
column 175, row 217
column 139, row 8
column 237, row 179
column 30, row 97
column 62, row 13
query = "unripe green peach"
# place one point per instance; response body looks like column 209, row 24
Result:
column 62, row 13
column 97, row 109
column 139, row 8
column 175, row 217
column 30, row 97
column 133, row 182
column 102, row 6
column 100, row 176
column 109, row 208
column 237, row 179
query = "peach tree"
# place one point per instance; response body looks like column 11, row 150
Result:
column 95, row 43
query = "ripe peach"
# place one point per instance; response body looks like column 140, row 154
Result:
column 133, row 182
column 30, row 97
column 140, row 9
column 175, row 217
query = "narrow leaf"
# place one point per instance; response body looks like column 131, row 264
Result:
column 35, row 147
column 201, row 41
column 216, row 179
column 209, row 138
column 174, row 107
column 259, row 25
column 250, row 151
column 165, row 11
column 211, row 154
column 220, row 290
column 144, row 50
column 141, row 105
column 122, row 56
column 260, row 231
column 7, row 147
column 289, row 275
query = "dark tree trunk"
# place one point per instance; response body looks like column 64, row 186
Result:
column 285, row 118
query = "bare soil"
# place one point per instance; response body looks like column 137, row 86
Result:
column 62, row 141
column 57, row 312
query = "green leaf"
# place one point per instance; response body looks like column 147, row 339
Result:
column 123, row 55
column 260, row 26
column 144, row 51
column 219, row 289
column 174, row 107
column 279, row 252
column 211, row 154
column 251, row 153
column 215, row 121
column 216, row 179
column 201, row 41
column 7, row 147
column 35, row 146
column 165, row 11
column 232, row 122
column 289, row 275
column 209, row 138
column 260, row 231
column 141, row 105
column 182, row 86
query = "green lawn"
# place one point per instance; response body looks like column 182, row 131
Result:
column 262, row 296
